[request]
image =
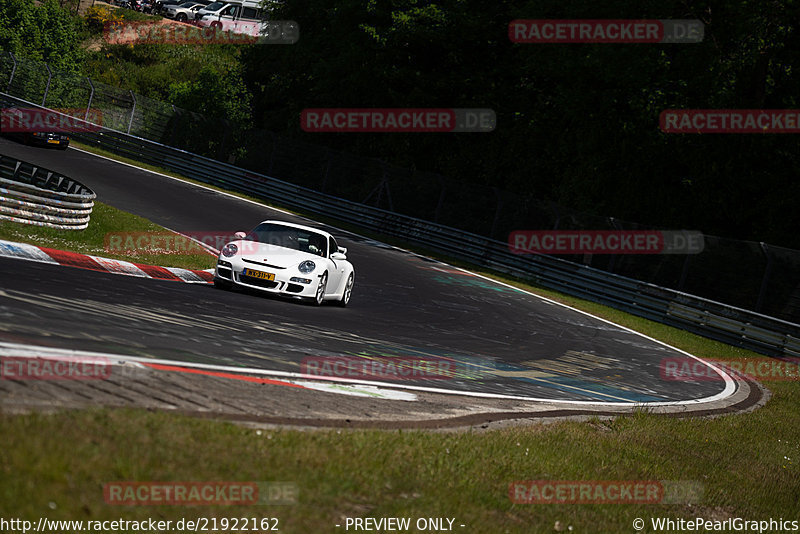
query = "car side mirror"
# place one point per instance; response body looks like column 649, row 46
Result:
column 239, row 235
column 338, row 256
column 342, row 250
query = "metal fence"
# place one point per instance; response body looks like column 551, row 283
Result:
column 744, row 274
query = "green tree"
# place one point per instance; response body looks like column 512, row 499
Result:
column 44, row 32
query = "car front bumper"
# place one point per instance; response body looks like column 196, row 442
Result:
column 290, row 282
column 50, row 139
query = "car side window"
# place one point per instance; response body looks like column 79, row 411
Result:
column 333, row 246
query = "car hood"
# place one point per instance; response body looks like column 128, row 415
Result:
column 273, row 254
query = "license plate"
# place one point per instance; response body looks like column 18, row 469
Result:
column 54, row 141
column 258, row 274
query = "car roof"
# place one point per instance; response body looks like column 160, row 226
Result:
column 300, row 226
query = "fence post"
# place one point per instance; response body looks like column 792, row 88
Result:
column 133, row 110
column 47, row 88
column 379, row 189
column 13, row 70
column 91, row 96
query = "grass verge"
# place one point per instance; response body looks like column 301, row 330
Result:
column 746, row 464
column 95, row 240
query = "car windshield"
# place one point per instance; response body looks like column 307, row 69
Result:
column 290, row 237
column 188, row 4
column 215, row 6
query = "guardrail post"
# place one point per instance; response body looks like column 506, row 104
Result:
column 47, row 87
column 91, row 96
column 13, row 70
column 133, row 110
column 765, row 280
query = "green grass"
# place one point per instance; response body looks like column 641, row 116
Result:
column 740, row 460
column 105, row 222
column 747, row 463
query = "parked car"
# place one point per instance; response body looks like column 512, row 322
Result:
column 183, row 12
column 289, row 260
column 160, row 5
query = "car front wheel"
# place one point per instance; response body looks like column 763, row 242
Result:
column 348, row 290
column 221, row 284
column 319, row 298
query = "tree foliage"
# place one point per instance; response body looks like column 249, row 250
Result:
column 577, row 123
column 44, row 32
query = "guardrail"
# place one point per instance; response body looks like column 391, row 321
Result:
column 735, row 326
column 711, row 319
column 30, row 194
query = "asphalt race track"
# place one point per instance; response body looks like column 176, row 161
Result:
column 511, row 343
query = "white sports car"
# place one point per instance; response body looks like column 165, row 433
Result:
column 287, row 259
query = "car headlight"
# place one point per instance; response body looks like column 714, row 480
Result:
column 229, row 250
column 307, row 266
